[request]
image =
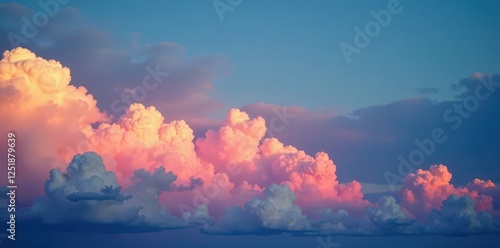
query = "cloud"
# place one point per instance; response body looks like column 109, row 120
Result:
column 90, row 195
column 66, row 192
column 232, row 180
column 234, row 162
column 237, row 141
column 426, row 190
column 390, row 217
column 106, row 193
column 385, row 217
column 486, row 188
column 275, row 211
column 458, row 217
column 42, row 98
column 239, row 149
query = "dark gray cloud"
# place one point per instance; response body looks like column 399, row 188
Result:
column 88, row 198
column 458, row 217
column 106, row 193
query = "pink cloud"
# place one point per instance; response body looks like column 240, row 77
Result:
column 425, row 190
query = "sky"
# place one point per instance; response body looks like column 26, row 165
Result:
column 303, row 124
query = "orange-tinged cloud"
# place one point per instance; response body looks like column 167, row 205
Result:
column 36, row 83
column 44, row 110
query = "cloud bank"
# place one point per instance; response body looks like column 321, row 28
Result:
column 145, row 172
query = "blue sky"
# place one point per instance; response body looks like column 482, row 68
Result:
column 295, row 59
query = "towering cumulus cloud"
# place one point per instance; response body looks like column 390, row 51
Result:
column 38, row 102
column 145, row 172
